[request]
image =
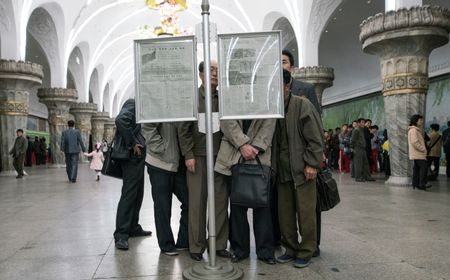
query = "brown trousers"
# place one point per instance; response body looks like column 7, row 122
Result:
column 198, row 196
column 297, row 204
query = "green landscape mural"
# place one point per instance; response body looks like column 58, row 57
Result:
column 372, row 107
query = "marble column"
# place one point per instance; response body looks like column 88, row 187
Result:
column 17, row 78
column 98, row 126
column 83, row 112
column 321, row 77
column 58, row 102
column 110, row 126
column 403, row 40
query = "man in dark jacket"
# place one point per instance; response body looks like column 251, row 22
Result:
column 297, row 87
column 297, row 155
column 361, row 163
column 70, row 144
column 129, row 135
column 18, row 152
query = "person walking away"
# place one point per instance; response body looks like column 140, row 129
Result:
column 97, row 160
column 18, row 152
column 70, row 144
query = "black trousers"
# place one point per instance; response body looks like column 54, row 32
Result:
column 127, row 218
column 71, row 165
column 164, row 185
column 447, row 159
column 262, row 229
column 435, row 161
column 419, row 173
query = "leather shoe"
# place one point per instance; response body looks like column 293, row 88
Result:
column 196, row 256
column 140, row 233
column 268, row 260
column 224, row 253
column 235, row 259
column 122, row 244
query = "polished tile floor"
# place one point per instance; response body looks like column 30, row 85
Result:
column 50, row 229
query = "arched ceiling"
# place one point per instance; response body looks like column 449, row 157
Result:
column 104, row 30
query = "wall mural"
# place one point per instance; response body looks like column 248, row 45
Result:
column 372, row 107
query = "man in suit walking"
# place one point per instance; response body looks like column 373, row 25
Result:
column 70, row 145
column 18, row 152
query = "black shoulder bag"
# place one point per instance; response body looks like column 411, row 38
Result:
column 250, row 185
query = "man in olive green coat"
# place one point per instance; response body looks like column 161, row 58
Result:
column 297, row 151
column 358, row 144
column 193, row 148
column 18, row 152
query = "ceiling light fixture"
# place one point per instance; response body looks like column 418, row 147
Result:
column 169, row 19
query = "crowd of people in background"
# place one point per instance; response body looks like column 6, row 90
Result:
column 357, row 149
column 363, row 148
column 37, row 152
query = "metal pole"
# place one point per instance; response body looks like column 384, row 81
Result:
column 209, row 136
column 223, row 271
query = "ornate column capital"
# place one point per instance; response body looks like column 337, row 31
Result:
column 23, row 70
column 320, row 76
column 16, row 79
column 83, row 112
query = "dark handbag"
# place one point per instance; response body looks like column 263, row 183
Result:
column 250, row 185
column 118, row 149
column 111, row 167
column 327, row 191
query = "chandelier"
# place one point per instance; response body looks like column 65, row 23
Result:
column 169, row 19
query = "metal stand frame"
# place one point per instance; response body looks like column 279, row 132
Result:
column 210, row 270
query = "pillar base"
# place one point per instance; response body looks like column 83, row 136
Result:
column 225, row 271
column 398, row 181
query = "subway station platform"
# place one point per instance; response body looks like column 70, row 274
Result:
column 52, row 229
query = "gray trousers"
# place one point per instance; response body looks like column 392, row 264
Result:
column 18, row 164
column 361, row 165
column 198, row 194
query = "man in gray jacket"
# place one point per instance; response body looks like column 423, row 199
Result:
column 70, row 144
column 167, row 174
column 18, row 152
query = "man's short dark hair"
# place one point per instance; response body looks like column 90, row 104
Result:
column 360, row 120
column 435, row 126
column 201, row 67
column 71, row 123
column 286, row 77
column 337, row 128
column 374, row 127
column 19, row 130
column 289, row 55
column 414, row 119
column 368, row 120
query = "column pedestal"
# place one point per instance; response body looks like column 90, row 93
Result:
column 58, row 102
column 83, row 113
column 321, row 77
column 110, row 129
column 403, row 40
column 17, row 78
column 98, row 126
